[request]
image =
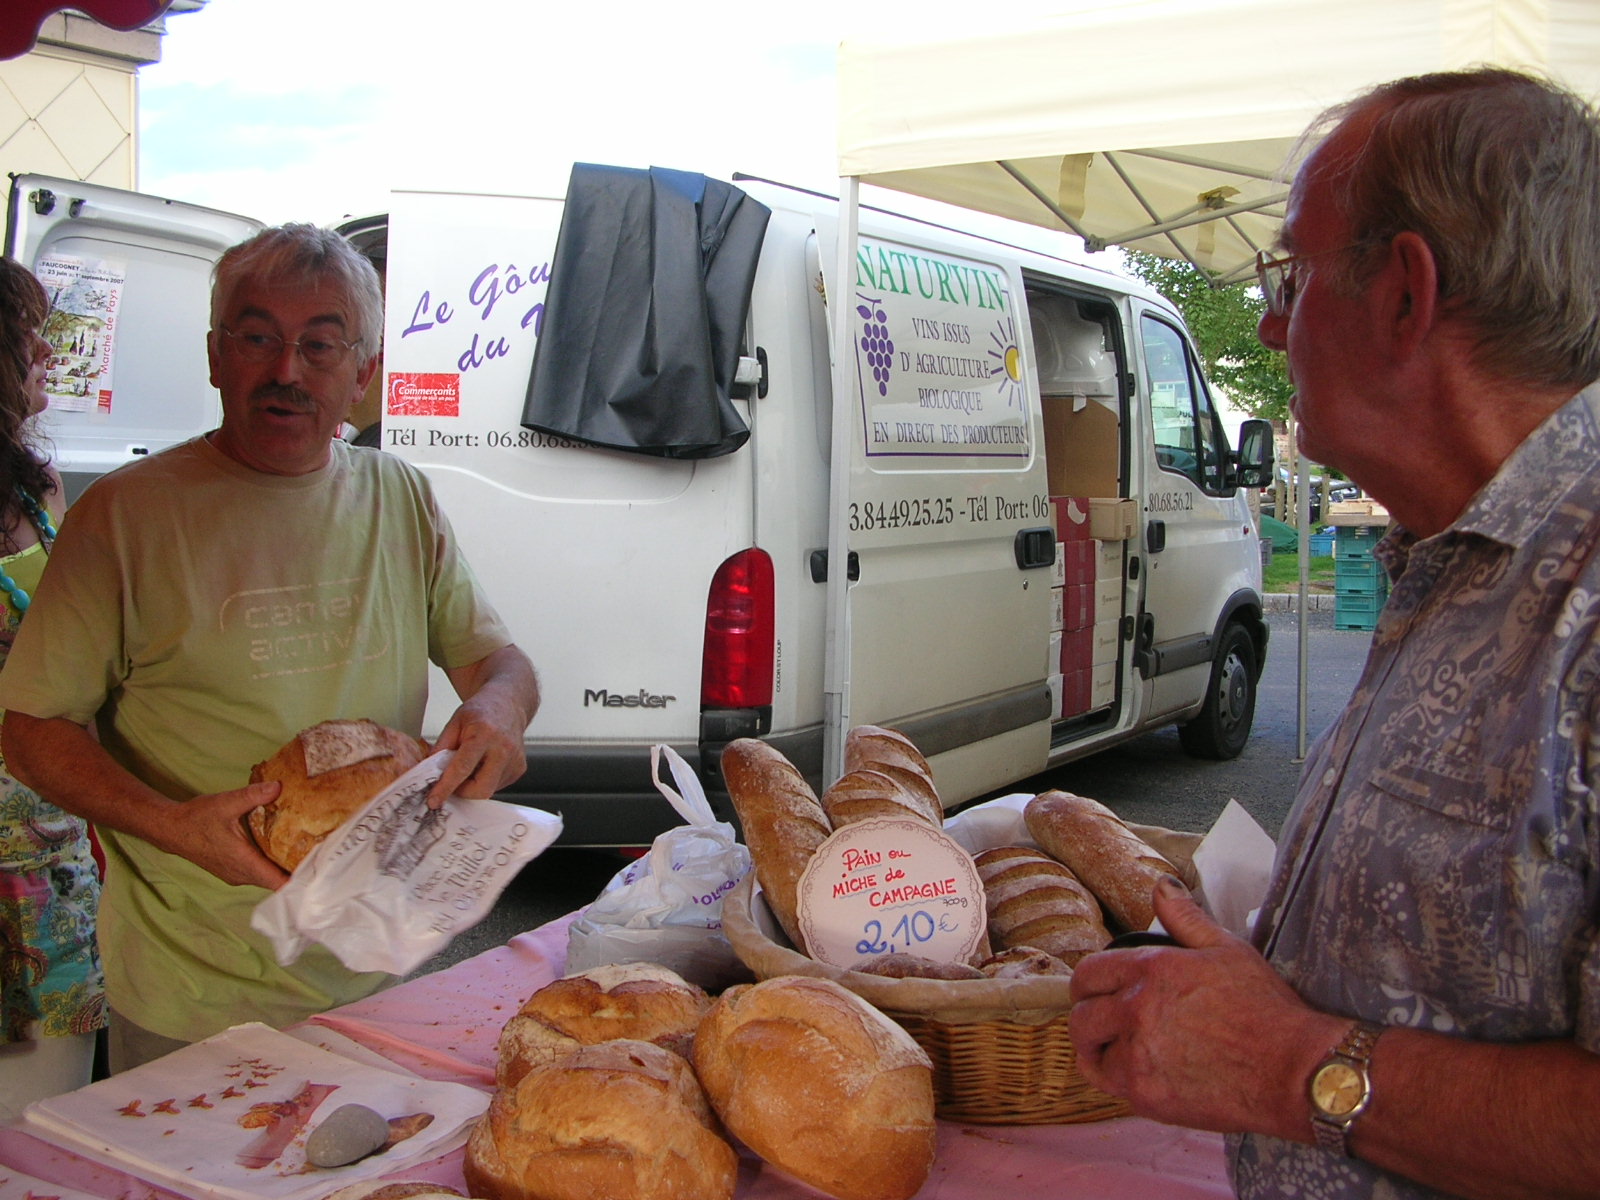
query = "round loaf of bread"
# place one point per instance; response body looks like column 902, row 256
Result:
column 641, row 1001
column 822, row 1085
column 618, row 1119
column 328, row 772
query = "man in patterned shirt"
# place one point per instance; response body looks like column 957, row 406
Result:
column 1419, row 1013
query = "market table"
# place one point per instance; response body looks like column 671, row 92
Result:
column 445, row 1026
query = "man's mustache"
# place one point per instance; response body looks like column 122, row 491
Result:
column 283, row 396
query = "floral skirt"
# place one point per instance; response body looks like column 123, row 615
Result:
column 51, row 983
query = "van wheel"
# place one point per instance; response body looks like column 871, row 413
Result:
column 1223, row 725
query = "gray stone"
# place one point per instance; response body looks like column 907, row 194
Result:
column 350, row 1132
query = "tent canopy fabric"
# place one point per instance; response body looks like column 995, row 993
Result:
column 1163, row 125
column 20, row 19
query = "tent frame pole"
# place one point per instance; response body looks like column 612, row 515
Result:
column 836, row 641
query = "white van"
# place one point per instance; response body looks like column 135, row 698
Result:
column 1049, row 547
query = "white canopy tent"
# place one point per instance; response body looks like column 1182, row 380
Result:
column 1159, row 125
column 1163, row 125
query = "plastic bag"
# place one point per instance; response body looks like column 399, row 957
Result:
column 389, row 888
column 666, row 907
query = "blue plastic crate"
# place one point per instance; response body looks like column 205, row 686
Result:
column 1320, row 545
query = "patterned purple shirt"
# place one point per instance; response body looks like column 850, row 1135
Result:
column 1440, row 868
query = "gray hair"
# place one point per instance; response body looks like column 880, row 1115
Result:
column 303, row 255
column 1499, row 172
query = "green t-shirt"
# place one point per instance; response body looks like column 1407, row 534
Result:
column 203, row 614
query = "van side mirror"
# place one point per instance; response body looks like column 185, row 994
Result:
column 1255, row 456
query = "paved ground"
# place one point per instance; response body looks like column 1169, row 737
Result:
column 1149, row 779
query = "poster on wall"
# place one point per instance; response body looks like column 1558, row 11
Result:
column 81, row 329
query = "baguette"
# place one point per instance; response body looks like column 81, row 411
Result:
column 1034, row 901
column 864, row 793
column 1118, row 866
column 890, row 752
column 783, row 823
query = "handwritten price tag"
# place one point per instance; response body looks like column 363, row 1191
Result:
column 887, row 886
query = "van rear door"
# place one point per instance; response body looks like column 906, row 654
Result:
column 129, row 281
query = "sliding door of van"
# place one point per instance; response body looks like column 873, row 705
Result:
column 129, row 280
column 949, row 521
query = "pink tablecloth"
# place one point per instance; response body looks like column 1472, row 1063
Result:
column 445, row 1026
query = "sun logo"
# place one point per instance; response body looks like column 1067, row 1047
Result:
column 1006, row 362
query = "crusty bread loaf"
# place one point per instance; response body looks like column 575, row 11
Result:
column 864, row 793
column 618, row 1119
column 782, row 819
column 328, row 772
column 1118, row 866
column 822, row 1085
column 891, row 753
column 1023, row 962
column 915, row 966
column 1035, row 901
column 642, row 1001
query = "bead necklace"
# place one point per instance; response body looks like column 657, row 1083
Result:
column 17, row 598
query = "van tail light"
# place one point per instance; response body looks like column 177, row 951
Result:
column 737, row 669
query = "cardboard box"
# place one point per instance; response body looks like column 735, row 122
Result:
column 1077, row 650
column 1072, row 518
column 1102, row 685
column 1058, row 573
column 1077, row 606
column 1053, row 657
column 1112, row 520
column 1057, row 694
column 1075, row 697
column 1108, row 559
column 1107, row 598
column 1057, row 608
column 1080, row 561
column 1107, row 641
column 1082, row 445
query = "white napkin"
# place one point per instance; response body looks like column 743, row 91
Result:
column 14, row 1185
column 389, row 888
column 228, row 1118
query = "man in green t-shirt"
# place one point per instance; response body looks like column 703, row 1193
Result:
column 206, row 604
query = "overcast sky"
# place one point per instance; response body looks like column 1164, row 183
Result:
column 313, row 109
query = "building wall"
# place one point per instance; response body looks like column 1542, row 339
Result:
column 70, row 106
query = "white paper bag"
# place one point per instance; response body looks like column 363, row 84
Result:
column 389, row 888
column 667, row 906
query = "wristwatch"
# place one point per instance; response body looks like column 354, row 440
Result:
column 1341, row 1087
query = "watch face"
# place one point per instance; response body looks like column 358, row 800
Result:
column 1338, row 1089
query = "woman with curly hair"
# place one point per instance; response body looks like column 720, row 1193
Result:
column 52, row 995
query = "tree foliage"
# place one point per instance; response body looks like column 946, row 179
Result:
column 1223, row 321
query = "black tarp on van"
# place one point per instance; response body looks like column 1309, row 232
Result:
column 648, row 295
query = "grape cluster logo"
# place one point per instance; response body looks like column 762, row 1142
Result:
column 875, row 341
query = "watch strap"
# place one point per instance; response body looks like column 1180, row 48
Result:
column 1355, row 1048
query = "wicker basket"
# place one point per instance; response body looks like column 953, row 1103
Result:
column 1001, row 1051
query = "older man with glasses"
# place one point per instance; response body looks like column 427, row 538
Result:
column 1419, row 1013
column 206, row 604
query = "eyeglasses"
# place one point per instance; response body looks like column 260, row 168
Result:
column 1277, row 275
column 254, row 346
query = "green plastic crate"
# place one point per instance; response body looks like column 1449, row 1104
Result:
column 1356, row 541
column 1357, row 612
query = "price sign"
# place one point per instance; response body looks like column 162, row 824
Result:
column 887, row 886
